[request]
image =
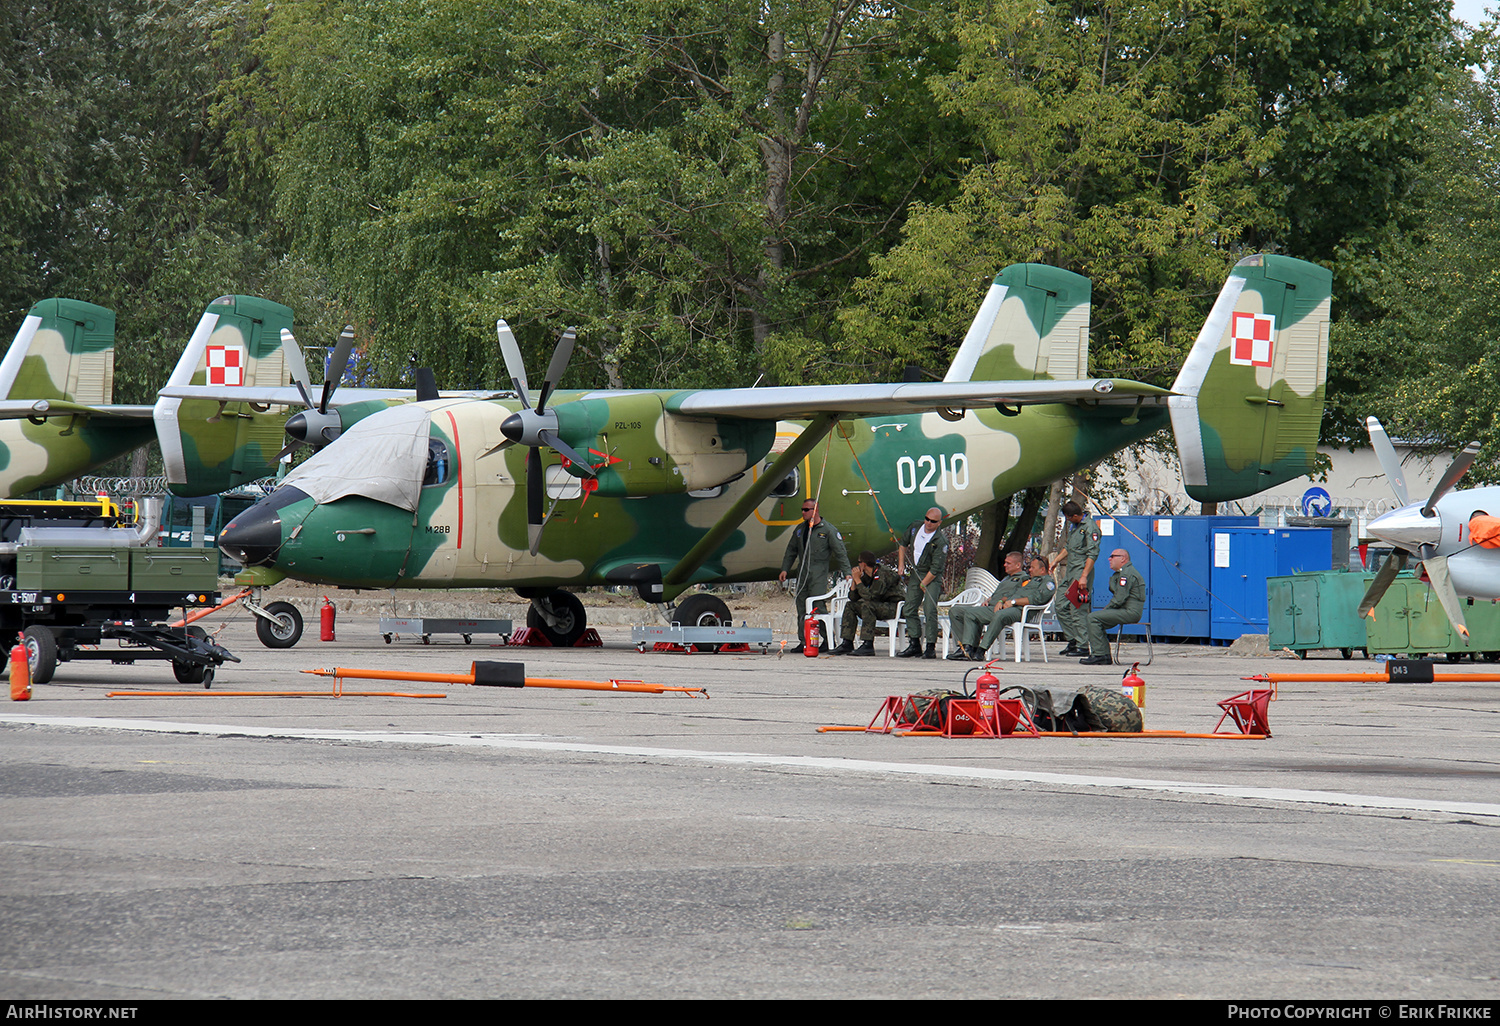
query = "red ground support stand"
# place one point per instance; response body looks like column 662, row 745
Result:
column 529, row 636
column 963, row 720
column 590, row 639
column 891, row 715
column 672, row 646
column 1249, row 710
column 1013, row 719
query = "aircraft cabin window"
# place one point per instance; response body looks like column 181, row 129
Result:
column 437, row 462
column 788, row 485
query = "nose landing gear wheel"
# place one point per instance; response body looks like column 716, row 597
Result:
column 284, row 630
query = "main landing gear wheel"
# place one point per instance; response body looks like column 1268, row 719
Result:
column 41, row 654
column 702, row 611
column 559, row 616
column 284, row 629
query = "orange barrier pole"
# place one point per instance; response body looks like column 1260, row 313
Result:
column 634, row 686
column 200, row 614
column 1373, row 678
column 336, row 693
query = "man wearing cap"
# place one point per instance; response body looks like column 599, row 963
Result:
column 1127, row 590
column 874, row 591
column 925, row 551
column 814, row 545
column 1007, row 604
column 1080, row 550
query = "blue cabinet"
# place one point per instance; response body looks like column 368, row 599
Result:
column 1242, row 560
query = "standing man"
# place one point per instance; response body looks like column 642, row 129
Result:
column 1127, row 600
column 925, row 550
column 874, row 591
column 1080, row 549
column 1007, row 605
column 814, row 544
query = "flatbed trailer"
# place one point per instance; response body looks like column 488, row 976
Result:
column 60, row 626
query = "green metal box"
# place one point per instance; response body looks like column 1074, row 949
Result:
column 162, row 569
column 51, row 568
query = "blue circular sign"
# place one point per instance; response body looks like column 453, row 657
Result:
column 1316, row 502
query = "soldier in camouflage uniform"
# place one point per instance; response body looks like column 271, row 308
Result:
column 1081, row 549
column 1006, row 606
column 826, row 548
column 1126, row 603
column 874, row 591
column 925, row 548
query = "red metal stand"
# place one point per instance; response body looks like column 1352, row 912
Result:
column 1250, row 711
column 529, row 637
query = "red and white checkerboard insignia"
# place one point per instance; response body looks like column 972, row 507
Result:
column 226, row 365
column 1250, row 339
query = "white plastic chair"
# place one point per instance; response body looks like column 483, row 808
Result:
column 967, row 597
column 979, row 577
column 893, row 625
column 1020, row 635
column 838, row 598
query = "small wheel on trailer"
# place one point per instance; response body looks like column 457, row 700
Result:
column 188, row 672
column 468, row 639
column 427, row 639
column 41, row 653
column 387, row 638
column 283, row 630
column 1347, row 653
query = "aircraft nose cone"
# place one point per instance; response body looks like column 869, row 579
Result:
column 1406, row 528
column 296, row 427
column 513, row 427
column 254, row 537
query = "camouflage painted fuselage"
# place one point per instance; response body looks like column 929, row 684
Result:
column 872, row 477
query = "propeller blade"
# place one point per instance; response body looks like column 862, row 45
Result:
column 1442, row 586
column 426, row 384
column 1389, row 461
column 296, row 365
column 557, row 445
column 1456, row 470
column 514, row 365
column 560, row 357
column 337, row 365
column 536, row 493
column 1393, row 565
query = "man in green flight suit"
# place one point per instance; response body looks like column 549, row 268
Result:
column 1080, row 549
column 825, row 547
column 1006, row 606
column 874, row 591
column 925, row 550
column 1127, row 600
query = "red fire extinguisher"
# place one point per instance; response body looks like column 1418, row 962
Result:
column 987, row 690
column 812, row 636
column 325, row 625
column 1133, row 686
column 20, row 671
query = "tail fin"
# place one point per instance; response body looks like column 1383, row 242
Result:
column 1250, row 399
column 213, row 445
column 1033, row 324
column 64, row 350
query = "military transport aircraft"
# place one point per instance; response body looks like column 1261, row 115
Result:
column 57, row 379
column 1437, row 532
column 664, row 489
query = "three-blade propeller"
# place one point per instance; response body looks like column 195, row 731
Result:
column 315, row 426
column 1415, row 530
column 535, row 427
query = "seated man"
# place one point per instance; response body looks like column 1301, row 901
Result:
column 874, row 591
column 1127, row 601
column 1006, row 606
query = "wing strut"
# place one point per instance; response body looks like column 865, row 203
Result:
column 675, row 579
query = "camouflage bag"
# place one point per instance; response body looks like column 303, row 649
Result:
column 928, row 714
column 1112, row 710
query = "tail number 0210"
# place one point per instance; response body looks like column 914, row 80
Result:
column 935, row 473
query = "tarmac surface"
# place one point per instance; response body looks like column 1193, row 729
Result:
column 504, row 843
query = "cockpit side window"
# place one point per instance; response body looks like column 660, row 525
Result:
column 788, row 485
column 437, row 463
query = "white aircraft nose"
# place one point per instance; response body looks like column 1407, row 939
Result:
column 1406, row 528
